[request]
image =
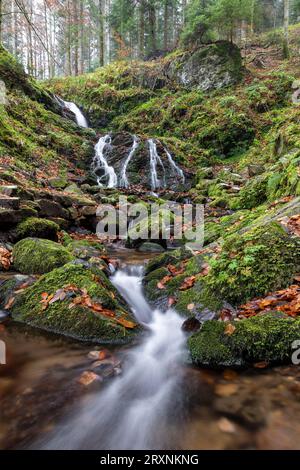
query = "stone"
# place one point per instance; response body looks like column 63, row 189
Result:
column 9, row 202
column 58, row 182
column 38, row 228
column 87, row 211
column 151, row 247
column 210, row 67
column 38, row 256
column 52, row 209
column 10, row 191
column 4, row 315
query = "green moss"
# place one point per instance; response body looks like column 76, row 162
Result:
column 254, row 193
column 259, row 261
column 37, row 228
column 79, row 322
column 37, row 256
column 268, row 337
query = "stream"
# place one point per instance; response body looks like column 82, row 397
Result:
column 158, row 401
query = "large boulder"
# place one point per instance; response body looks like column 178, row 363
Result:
column 75, row 300
column 210, row 67
column 38, row 256
column 37, row 228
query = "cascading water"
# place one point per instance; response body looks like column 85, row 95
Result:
column 178, row 170
column 80, row 118
column 154, row 161
column 124, row 183
column 131, row 413
column 100, row 164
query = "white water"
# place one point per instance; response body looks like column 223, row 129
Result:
column 100, row 163
column 175, row 167
column 154, row 161
column 132, row 411
column 80, row 119
column 124, row 183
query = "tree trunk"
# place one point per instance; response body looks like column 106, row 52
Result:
column 101, row 33
column 142, row 29
column 286, row 28
column 1, row 6
column 152, row 26
column 166, row 24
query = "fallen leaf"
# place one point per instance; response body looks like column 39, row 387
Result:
column 10, row 303
column 230, row 329
column 171, row 301
column 261, row 365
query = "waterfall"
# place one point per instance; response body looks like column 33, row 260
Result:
column 80, row 119
column 124, row 183
column 100, row 163
column 134, row 410
column 154, row 161
column 174, row 166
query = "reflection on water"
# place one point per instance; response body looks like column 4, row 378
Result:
column 251, row 409
column 39, row 393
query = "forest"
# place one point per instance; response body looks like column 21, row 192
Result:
column 149, row 229
column 54, row 38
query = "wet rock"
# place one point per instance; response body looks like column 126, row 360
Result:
column 88, row 378
column 9, row 202
column 10, row 191
column 191, row 325
column 151, row 247
column 4, row 315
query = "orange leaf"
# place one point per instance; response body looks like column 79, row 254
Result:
column 229, row 330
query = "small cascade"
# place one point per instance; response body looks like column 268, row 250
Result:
column 100, row 164
column 80, row 118
column 124, row 183
column 154, row 161
column 176, row 168
column 135, row 410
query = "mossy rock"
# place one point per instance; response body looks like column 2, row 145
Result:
column 86, row 249
column 37, row 228
column 254, row 193
column 79, row 322
column 253, row 264
column 268, row 338
column 38, row 256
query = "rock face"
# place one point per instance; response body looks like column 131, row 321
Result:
column 210, row 67
column 149, row 165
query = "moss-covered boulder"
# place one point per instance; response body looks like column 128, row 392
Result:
column 85, row 249
column 262, row 260
column 37, row 228
column 209, row 67
column 38, row 256
column 268, row 338
column 69, row 315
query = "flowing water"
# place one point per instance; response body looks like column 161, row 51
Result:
column 158, row 402
column 131, row 411
column 100, row 165
column 124, row 183
column 175, row 167
column 155, row 160
column 80, row 118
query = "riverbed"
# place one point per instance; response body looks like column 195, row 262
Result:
column 158, row 401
